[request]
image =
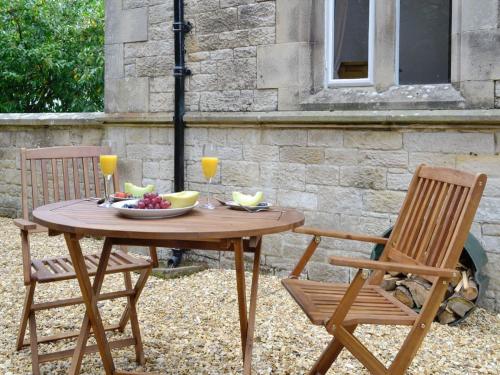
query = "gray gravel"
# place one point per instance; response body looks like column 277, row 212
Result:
column 190, row 326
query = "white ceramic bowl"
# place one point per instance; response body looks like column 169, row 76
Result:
column 135, row 213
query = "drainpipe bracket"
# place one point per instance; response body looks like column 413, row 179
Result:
column 181, row 71
column 182, row 27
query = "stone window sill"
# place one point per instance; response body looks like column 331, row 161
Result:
column 438, row 96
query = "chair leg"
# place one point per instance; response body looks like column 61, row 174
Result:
column 132, row 313
column 419, row 330
column 28, row 301
column 139, row 285
column 34, row 345
column 329, row 355
column 125, row 314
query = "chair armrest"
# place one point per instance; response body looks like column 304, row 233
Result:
column 24, row 224
column 392, row 266
column 341, row 235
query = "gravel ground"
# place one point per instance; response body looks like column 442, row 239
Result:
column 190, row 326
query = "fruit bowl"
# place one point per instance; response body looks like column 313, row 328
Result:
column 136, row 213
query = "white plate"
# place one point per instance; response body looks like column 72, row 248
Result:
column 260, row 206
column 135, row 213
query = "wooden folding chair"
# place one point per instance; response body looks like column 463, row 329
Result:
column 46, row 184
column 426, row 240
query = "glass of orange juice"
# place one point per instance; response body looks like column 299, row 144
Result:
column 107, row 162
column 209, row 163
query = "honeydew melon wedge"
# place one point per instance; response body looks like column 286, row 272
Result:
column 248, row 200
column 138, row 191
column 181, row 199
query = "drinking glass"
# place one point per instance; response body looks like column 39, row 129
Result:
column 209, row 163
column 108, row 162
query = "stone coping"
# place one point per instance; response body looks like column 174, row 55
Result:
column 464, row 119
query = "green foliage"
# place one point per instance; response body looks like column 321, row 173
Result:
column 51, row 55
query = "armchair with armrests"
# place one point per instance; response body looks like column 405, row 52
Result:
column 427, row 240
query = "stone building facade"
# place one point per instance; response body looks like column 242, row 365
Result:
column 342, row 155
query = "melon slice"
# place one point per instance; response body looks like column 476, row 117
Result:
column 138, row 191
column 248, row 200
column 181, row 199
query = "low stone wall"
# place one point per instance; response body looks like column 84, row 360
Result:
column 341, row 174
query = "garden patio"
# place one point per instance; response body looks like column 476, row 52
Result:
column 311, row 122
column 188, row 325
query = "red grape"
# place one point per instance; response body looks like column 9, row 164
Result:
column 150, row 206
column 141, row 205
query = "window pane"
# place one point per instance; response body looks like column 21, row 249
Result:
column 424, row 41
column 351, row 33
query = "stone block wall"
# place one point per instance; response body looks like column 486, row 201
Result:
column 268, row 55
column 347, row 178
column 221, row 54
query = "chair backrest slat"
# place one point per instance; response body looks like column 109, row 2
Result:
column 95, row 162
column 439, row 203
column 406, row 220
column 55, row 179
column 45, row 183
column 80, row 174
column 76, row 179
column 86, row 179
column 24, row 185
column 66, row 179
column 34, row 184
column 423, row 242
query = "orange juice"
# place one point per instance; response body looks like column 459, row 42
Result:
column 108, row 164
column 209, row 166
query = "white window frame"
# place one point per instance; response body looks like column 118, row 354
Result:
column 329, row 49
column 396, row 47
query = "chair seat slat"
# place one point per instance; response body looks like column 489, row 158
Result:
column 58, row 268
column 318, row 304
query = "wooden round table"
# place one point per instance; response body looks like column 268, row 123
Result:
column 221, row 229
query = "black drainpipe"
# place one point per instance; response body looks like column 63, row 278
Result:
column 180, row 28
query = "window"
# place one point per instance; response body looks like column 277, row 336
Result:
column 424, row 41
column 349, row 42
column 416, row 40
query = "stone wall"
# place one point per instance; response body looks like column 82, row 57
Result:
column 222, row 55
column 267, row 55
column 351, row 177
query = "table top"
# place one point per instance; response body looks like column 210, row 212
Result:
column 86, row 218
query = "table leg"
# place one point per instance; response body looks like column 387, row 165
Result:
column 247, row 364
column 89, row 296
column 247, row 323
column 240, row 287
